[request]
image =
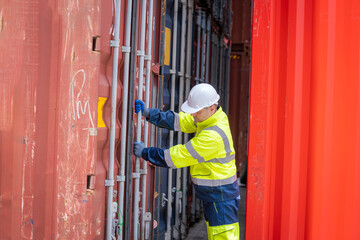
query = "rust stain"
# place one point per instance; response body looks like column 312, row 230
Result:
column 1, row 23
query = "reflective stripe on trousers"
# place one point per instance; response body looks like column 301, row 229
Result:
column 222, row 219
column 228, row 232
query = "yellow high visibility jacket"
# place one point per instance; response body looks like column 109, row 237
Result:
column 210, row 155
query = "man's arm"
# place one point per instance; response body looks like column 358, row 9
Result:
column 161, row 119
column 155, row 116
column 152, row 154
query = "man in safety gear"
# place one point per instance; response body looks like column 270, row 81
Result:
column 210, row 155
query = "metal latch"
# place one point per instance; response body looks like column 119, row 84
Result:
column 125, row 49
column 114, row 43
column 120, row 178
column 109, row 183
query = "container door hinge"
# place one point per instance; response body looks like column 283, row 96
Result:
column 120, row 178
column 140, row 53
column 147, row 57
column 109, row 183
column 136, row 175
column 143, row 171
column 114, row 43
column 126, row 49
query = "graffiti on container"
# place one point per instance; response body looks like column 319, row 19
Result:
column 80, row 106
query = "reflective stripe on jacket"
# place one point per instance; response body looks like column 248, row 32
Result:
column 210, row 155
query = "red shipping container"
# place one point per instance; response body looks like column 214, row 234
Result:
column 304, row 137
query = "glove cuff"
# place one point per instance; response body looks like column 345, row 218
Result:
column 146, row 113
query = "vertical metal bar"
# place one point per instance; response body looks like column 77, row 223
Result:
column 216, row 60
column 188, row 61
column 193, row 205
column 110, row 213
column 203, row 47
column 147, row 102
column 121, row 177
column 172, row 108
column 212, row 76
column 197, row 78
column 136, row 173
column 159, row 171
column 214, row 54
column 227, row 79
column 176, row 232
column 198, row 22
column 208, row 33
column 219, row 71
column 129, row 151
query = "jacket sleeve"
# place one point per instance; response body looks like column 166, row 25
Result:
column 161, row 119
column 173, row 121
column 155, row 156
column 184, row 122
column 199, row 149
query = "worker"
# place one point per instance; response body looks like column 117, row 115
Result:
column 210, row 155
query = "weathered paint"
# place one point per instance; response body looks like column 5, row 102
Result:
column 49, row 81
column 56, row 64
column 303, row 173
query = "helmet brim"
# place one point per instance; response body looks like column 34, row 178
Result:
column 185, row 107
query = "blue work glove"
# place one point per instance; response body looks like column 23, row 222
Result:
column 140, row 105
column 138, row 148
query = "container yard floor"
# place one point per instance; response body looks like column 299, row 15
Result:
column 198, row 230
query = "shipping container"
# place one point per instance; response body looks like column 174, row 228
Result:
column 304, row 135
column 70, row 73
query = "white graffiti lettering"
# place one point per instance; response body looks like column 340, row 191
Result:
column 79, row 107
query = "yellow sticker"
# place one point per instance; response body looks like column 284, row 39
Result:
column 167, row 46
column 101, row 103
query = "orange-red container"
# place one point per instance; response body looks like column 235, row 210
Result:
column 50, row 170
column 55, row 80
column 304, row 146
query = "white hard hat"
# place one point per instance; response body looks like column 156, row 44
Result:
column 201, row 96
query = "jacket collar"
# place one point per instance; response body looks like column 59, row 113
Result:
column 211, row 121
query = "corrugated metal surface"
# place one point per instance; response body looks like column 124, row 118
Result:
column 55, row 80
column 163, row 98
column 304, row 121
column 48, row 129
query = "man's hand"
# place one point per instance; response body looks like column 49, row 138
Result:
column 138, row 148
column 140, row 105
